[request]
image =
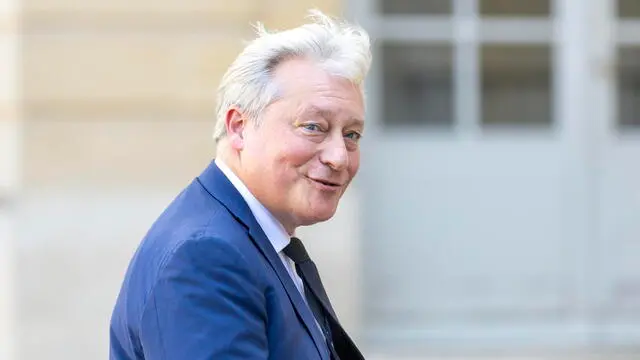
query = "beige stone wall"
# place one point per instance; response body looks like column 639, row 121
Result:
column 9, row 128
column 118, row 112
column 117, row 92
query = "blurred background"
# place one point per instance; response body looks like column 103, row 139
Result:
column 496, row 214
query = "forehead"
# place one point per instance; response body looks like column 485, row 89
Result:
column 312, row 89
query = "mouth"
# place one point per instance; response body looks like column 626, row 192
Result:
column 328, row 183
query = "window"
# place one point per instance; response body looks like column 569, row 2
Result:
column 516, row 85
column 515, row 7
column 628, row 73
column 629, row 8
column 418, row 85
column 408, row 7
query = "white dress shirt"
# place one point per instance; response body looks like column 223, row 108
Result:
column 274, row 230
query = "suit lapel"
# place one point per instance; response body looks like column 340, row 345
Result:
column 217, row 184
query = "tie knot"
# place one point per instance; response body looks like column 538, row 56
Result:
column 296, row 251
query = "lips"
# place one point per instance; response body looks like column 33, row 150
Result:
column 326, row 182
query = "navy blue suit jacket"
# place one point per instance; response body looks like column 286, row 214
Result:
column 206, row 283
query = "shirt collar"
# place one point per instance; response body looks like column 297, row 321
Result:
column 274, row 230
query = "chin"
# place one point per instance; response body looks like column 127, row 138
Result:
column 318, row 215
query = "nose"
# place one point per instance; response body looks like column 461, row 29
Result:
column 334, row 154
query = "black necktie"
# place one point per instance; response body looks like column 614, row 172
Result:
column 339, row 343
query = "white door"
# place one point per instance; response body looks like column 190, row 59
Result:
column 617, row 176
column 481, row 210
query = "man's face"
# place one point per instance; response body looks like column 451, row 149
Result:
column 305, row 152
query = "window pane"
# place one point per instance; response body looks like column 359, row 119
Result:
column 629, row 8
column 516, row 85
column 417, row 84
column 629, row 86
column 432, row 7
column 515, row 7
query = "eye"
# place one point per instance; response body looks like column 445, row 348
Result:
column 311, row 127
column 355, row 136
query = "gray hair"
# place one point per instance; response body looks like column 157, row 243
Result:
column 340, row 48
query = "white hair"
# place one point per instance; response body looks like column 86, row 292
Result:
column 340, row 48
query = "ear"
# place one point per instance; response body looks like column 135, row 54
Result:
column 235, row 123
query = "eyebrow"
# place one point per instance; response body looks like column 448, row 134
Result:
column 326, row 113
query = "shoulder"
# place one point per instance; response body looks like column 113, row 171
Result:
column 193, row 219
column 204, row 255
column 194, row 230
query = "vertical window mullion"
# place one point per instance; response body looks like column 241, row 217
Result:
column 466, row 68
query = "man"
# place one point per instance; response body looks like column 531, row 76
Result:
column 221, row 275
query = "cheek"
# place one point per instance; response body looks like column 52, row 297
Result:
column 354, row 163
column 296, row 153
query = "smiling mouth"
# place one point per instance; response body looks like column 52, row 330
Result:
column 326, row 183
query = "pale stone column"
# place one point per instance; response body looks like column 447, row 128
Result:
column 9, row 157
